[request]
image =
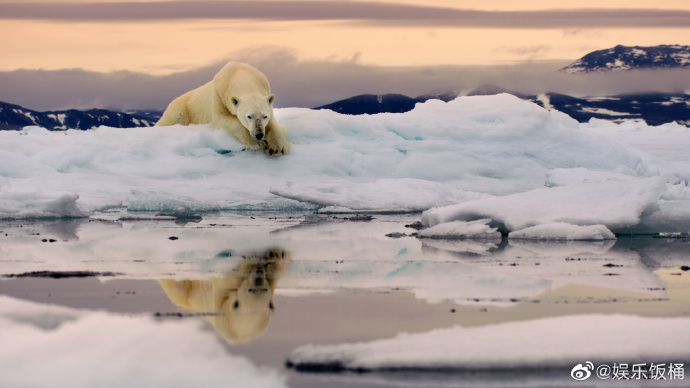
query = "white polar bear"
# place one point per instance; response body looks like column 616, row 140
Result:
column 238, row 100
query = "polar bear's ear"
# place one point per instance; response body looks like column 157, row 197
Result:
column 270, row 99
column 234, row 101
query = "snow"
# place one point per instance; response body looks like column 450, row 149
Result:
column 615, row 204
column 637, row 52
column 603, row 111
column 59, row 117
column 546, row 101
column 563, row 231
column 494, row 157
column 43, row 341
column 459, row 230
column 683, row 59
column 617, row 65
column 538, row 343
column 603, row 98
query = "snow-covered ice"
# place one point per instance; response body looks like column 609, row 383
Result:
column 476, row 167
column 62, row 347
column 478, row 229
column 494, row 157
column 541, row 343
column 563, row 231
column 617, row 204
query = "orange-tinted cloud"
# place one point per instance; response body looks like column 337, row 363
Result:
column 314, row 83
column 381, row 14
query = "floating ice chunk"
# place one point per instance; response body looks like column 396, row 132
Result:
column 335, row 209
column 564, row 231
column 39, row 205
column 455, row 248
column 617, row 205
column 478, row 229
column 543, row 343
column 45, row 317
column 404, row 194
column 439, row 154
column 96, row 349
column 64, row 207
column 666, row 216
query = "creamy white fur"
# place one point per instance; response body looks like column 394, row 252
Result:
column 239, row 100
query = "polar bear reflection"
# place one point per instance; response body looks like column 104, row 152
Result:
column 239, row 305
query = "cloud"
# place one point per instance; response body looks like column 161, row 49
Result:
column 582, row 32
column 81, row 89
column 301, row 83
column 381, row 14
column 529, row 51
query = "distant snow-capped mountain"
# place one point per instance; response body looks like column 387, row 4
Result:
column 14, row 117
column 653, row 108
column 621, row 58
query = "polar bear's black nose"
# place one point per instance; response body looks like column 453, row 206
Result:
column 259, row 136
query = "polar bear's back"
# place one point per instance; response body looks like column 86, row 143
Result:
column 241, row 79
column 196, row 106
column 193, row 107
column 199, row 103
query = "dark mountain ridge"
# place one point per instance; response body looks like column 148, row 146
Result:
column 653, row 108
column 15, row 117
column 383, row 103
column 621, row 58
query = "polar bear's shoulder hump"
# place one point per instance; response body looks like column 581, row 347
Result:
column 241, row 71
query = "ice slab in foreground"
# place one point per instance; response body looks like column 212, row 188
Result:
column 542, row 343
column 621, row 206
column 43, row 345
column 492, row 157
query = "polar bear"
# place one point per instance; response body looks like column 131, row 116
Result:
column 239, row 100
column 238, row 305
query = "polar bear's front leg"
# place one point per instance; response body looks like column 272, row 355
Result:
column 275, row 139
column 233, row 126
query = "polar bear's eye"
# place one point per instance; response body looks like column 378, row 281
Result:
column 236, row 305
column 265, row 117
column 249, row 117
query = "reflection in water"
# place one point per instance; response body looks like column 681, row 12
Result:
column 60, row 229
column 238, row 305
column 464, row 248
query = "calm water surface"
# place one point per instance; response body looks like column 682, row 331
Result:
column 226, row 298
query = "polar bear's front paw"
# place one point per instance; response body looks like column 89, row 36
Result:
column 275, row 149
column 276, row 254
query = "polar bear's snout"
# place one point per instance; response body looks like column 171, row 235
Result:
column 258, row 132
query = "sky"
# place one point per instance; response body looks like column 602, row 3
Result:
column 62, row 53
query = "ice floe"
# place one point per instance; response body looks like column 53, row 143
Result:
column 477, row 157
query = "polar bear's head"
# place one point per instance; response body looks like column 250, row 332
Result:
column 254, row 112
column 246, row 311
